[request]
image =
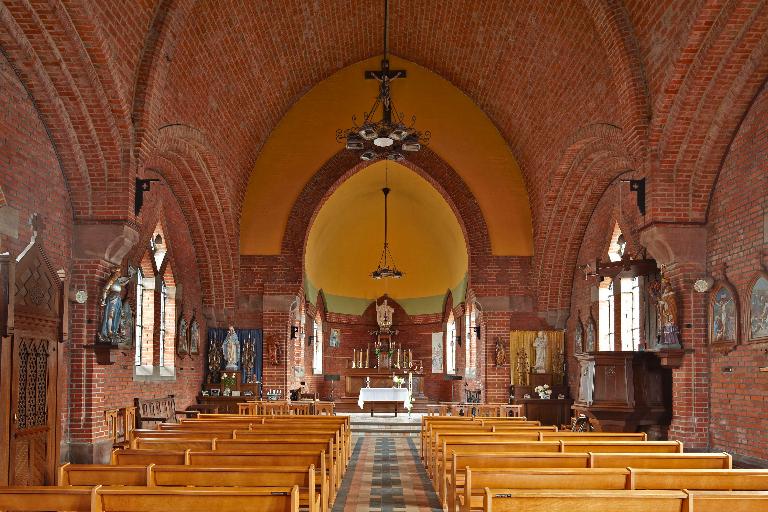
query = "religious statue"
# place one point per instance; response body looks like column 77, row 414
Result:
column 384, row 314
column 578, row 339
column 590, row 336
column 540, row 344
column 181, row 336
column 273, row 352
column 194, row 336
column 231, row 349
column 666, row 312
column 521, row 368
column 115, row 322
column 501, row 353
column 249, row 353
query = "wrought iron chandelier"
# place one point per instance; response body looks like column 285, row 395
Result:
column 388, row 137
column 383, row 270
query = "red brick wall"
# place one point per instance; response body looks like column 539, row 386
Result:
column 737, row 248
column 28, row 165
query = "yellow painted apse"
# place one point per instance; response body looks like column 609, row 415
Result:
column 346, row 239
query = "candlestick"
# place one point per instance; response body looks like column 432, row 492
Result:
column 410, row 358
column 354, row 357
column 367, row 357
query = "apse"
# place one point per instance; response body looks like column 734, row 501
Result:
column 346, row 239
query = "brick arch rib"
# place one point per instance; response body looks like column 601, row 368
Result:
column 427, row 164
column 721, row 69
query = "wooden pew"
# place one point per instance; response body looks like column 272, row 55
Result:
column 103, row 474
column 661, row 460
column 594, row 436
column 130, row 457
column 551, row 478
column 283, row 476
column 622, row 446
column 443, row 467
column 191, row 499
column 40, row 499
column 221, row 459
column 706, row 479
column 454, row 482
column 147, row 443
column 734, row 501
column 435, row 451
column 511, row 500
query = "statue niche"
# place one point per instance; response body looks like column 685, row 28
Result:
column 116, row 317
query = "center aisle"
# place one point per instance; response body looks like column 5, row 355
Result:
column 385, row 474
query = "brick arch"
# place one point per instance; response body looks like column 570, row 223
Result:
column 77, row 100
column 345, row 164
column 151, row 77
column 617, row 35
column 595, row 157
column 190, row 171
column 720, row 70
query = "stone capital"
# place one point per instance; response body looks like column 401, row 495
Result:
column 676, row 243
column 107, row 242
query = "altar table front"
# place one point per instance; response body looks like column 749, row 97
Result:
column 385, row 395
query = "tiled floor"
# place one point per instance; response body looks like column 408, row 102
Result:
column 386, row 475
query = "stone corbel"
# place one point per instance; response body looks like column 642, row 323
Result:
column 107, row 242
column 674, row 243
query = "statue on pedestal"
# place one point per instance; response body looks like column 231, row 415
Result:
column 666, row 312
column 501, row 353
column 116, row 318
column 231, row 349
column 540, row 344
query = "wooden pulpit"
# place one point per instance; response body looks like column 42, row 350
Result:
column 624, row 391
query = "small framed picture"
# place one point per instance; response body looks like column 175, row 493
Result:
column 206, row 393
column 235, row 392
column 215, row 392
column 335, row 338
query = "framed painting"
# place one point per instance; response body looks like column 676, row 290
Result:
column 591, row 336
column 182, row 345
column 758, row 308
column 723, row 315
column 578, row 336
column 334, row 340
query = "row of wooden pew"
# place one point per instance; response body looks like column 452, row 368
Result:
column 257, row 463
column 515, row 464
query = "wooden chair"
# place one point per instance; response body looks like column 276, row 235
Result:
column 273, row 408
column 324, row 408
column 510, row 410
column 299, row 409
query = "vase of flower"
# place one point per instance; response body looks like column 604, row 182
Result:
column 227, row 383
column 544, row 391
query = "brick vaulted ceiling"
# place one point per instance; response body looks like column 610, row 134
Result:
column 581, row 91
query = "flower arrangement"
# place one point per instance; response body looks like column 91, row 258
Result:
column 397, row 381
column 544, row 391
column 227, row 380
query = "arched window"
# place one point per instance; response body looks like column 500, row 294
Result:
column 317, row 345
column 606, row 312
column 450, row 345
column 163, row 322
column 470, row 344
column 139, row 317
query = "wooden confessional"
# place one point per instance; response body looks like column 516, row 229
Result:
column 32, row 305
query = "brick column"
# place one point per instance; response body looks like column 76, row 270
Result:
column 97, row 250
column 683, row 250
column 276, row 324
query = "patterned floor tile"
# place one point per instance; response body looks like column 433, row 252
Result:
column 386, row 475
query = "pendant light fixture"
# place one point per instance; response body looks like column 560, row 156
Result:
column 383, row 270
column 387, row 137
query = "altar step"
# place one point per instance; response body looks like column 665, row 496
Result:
column 349, row 404
column 382, row 427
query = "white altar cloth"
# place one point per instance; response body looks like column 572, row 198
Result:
column 385, row 395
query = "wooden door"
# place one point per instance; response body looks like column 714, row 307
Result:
column 34, row 414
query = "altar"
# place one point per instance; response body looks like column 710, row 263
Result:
column 385, row 395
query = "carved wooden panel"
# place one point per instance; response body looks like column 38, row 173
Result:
column 32, row 402
column 37, row 286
